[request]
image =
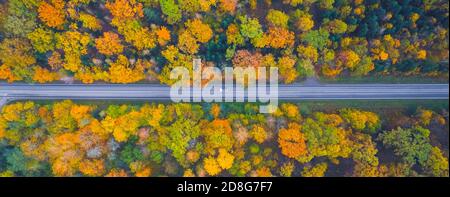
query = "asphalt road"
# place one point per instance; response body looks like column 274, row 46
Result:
column 10, row 92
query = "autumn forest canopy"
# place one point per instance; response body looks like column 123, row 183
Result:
column 128, row 41
column 72, row 139
column 141, row 41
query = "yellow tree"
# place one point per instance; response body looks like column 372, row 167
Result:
column 140, row 169
column 225, row 159
column 259, row 134
column 175, row 58
column 234, row 36
column 308, row 52
column 16, row 56
column 140, row 37
column 215, row 110
column 292, row 141
column 123, row 126
column 315, row 171
column 277, row 37
column 218, row 134
column 228, row 5
column 291, row 111
column 3, row 126
column 94, row 167
column 74, row 45
column 16, row 53
column 287, row 169
column 126, row 14
column 187, row 43
column 263, row 172
column 90, row 22
column 90, row 74
column 109, row 44
column 163, row 35
column 305, row 23
column 55, row 61
column 437, row 163
column 361, row 120
column 421, row 54
column 117, row 173
column 43, row 75
column 245, row 58
column 80, row 112
column 64, row 154
column 196, row 31
column 122, row 71
column 62, row 119
column 7, row 74
column 201, row 31
column 211, row 166
column 51, row 12
column 425, row 116
column 329, row 70
column 286, row 66
column 348, row 59
column 124, row 10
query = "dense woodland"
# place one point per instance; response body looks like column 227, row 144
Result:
column 73, row 139
column 128, row 41
column 141, row 41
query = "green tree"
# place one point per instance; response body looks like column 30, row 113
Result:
column 412, row 145
column 179, row 136
column 324, row 137
column 250, row 27
column 336, row 26
column 317, row 38
column 131, row 153
column 43, row 40
column 18, row 163
column 21, row 18
column 171, row 10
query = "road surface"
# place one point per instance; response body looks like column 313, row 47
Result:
column 148, row 92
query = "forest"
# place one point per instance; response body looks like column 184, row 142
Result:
column 67, row 138
column 140, row 41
